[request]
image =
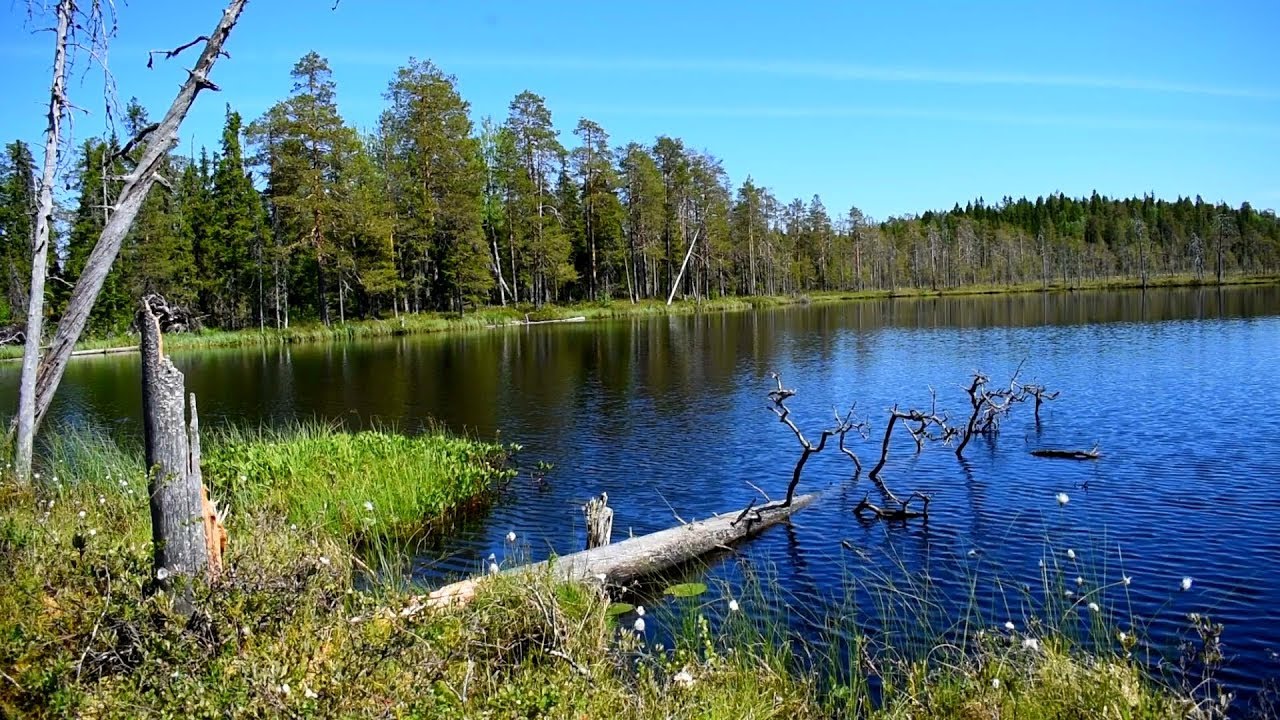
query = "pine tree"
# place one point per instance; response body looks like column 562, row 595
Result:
column 234, row 241
column 540, row 154
column 17, row 221
column 601, row 211
column 436, row 170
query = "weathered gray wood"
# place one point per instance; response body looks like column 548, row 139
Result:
column 638, row 557
column 28, row 416
column 156, row 142
column 177, row 518
column 599, row 521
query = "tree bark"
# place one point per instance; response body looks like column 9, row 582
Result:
column 599, row 521
column 637, row 557
column 178, row 535
column 128, row 202
column 28, row 417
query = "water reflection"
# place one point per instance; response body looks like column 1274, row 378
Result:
column 667, row 414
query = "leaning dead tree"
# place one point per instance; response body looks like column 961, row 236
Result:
column 186, row 530
column 989, row 405
column 152, row 145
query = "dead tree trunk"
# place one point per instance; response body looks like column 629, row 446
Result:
column 28, row 418
column 634, row 558
column 179, row 540
column 599, row 521
column 156, row 140
column 779, row 398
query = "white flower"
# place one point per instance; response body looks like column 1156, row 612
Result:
column 683, row 678
column 37, row 476
column 1126, row 580
column 50, row 503
column 995, row 683
column 1186, row 583
column 162, row 573
column 1123, row 636
column 368, row 506
column 102, row 499
column 1063, row 499
column 1068, row 594
column 973, row 553
column 511, row 536
column 639, row 625
column 1008, row 625
column 1079, row 580
column 92, row 532
column 122, row 483
column 1071, row 554
column 284, row 689
column 1094, row 607
column 733, row 606
column 1031, row 643
column 309, row 693
column 293, row 526
column 493, row 568
column 81, row 514
column 640, row 611
column 324, row 560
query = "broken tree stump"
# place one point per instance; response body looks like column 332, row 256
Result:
column 182, row 518
column 599, row 521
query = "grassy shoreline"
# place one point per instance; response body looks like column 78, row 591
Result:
column 82, row 631
column 482, row 318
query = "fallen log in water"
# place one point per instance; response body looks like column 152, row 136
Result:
column 1068, row 454
column 634, row 558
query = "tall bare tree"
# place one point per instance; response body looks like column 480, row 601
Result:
column 26, row 419
column 155, row 142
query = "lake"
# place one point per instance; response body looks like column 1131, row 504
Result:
column 669, row 416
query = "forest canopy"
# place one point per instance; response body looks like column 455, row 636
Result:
column 298, row 215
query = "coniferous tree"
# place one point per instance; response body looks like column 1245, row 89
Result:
column 17, row 221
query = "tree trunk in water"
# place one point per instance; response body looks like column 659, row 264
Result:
column 629, row 560
column 180, row 544
column 599, row 521
column 158, row 141
column 28, row 417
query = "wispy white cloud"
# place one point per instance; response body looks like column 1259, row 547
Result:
column 827, row 70
column 1102, row 122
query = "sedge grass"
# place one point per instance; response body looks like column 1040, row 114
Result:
column 297, row 628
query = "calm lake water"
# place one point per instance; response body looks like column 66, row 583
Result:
column 668, row 415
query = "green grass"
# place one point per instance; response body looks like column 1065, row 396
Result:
column 372, row 484
column 298, row 627
column 483, row 318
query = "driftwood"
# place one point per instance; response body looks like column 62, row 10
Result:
column 624, row 562
column 599, row 521
column 891, row 514
column 843, row 426
column 1068, row 454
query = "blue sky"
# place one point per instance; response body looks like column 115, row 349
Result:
column 894, row 107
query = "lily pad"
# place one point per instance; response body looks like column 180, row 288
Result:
column 686, row 590
column 619, row 608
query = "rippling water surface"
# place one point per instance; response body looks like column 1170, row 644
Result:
column 668, row 415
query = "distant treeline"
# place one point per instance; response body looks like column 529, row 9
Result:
column 430, row 212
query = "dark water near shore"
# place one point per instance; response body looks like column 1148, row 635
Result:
column 668, row 415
